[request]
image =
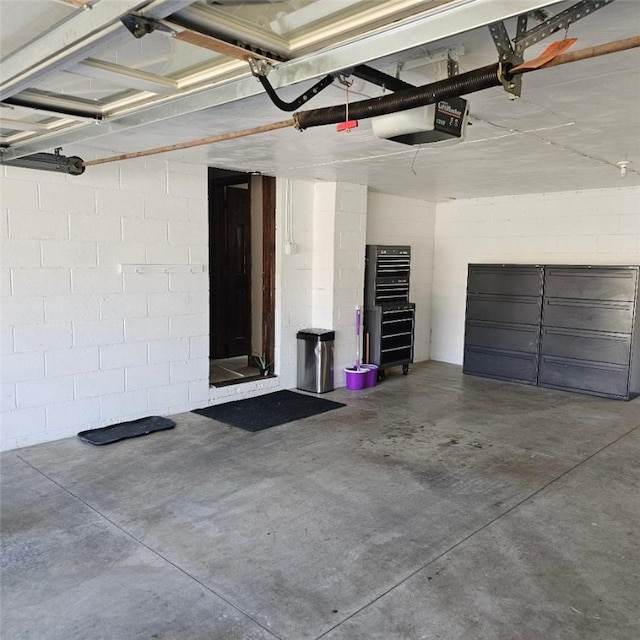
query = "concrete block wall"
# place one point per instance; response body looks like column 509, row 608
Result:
column 88, row 338
column 321, row 283
column 600, row 226
column 349, row 250
column 294, row 273
column 395, row 220
column 105, row 293
column 324, row 250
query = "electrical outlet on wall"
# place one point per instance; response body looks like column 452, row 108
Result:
column 290, row 247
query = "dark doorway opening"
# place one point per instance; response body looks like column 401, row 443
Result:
column 241, row 275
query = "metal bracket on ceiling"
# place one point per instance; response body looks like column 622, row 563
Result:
column 507, row 58
column 453, row 67
column 510, row 56
column 260, row 69
column 555, row 23
column 521, row 30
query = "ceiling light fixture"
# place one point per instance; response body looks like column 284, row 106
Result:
column 622, row 165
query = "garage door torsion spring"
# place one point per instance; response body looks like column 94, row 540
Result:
column 459, row 85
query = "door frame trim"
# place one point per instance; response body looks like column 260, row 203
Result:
column 219, row 177
column 268, row 265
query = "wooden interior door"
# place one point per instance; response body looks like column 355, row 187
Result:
column 230, row 271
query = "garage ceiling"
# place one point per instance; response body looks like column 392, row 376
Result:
column 73, row 76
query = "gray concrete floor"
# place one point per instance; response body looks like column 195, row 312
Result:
column 435, row 505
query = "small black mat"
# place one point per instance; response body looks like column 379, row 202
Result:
column 271, row 410
column 123, row 430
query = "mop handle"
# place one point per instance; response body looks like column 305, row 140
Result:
column 357, row 336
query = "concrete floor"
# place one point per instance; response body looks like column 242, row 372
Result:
column 435, row 505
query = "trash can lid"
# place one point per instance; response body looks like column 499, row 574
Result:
column 316, row 334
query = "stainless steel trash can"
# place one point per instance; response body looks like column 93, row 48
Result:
column 315, row 360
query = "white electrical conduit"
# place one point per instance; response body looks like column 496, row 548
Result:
column 288, row 217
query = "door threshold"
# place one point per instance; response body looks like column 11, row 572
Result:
column 228, row 383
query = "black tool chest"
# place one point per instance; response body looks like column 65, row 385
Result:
column 570, row 327
column 389, row 317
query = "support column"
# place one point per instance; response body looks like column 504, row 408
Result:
column 339, row 238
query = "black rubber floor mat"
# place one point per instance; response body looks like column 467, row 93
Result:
column 124, row 430
column 273, row 409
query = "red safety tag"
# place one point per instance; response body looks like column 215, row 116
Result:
column 346, row 126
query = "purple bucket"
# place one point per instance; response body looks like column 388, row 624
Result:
column 356, row 378
column 372, row 374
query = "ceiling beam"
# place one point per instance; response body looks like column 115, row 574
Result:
column 125, row 76
column 24, row 125
column 446, row 21
column 74, row 39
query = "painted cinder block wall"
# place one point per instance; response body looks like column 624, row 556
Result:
column 293, row 273
column 104, row 296
column 600, row 226
column 105, row 293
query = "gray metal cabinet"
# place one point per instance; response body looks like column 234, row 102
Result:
column 589, row 339
column 566, row 327
column 502, row 329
